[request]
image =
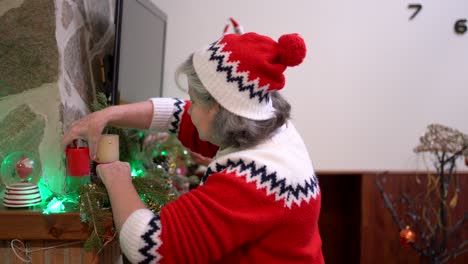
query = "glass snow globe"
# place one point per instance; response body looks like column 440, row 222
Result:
column 20, row 172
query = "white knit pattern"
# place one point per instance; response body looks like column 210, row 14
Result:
column 137, row 248
column 287, row 197
column 166, row 114
column 228, row 93
column 280, row 166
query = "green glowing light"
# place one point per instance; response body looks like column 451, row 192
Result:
column 137, row 168
column 62, row 204
column 54, row 206
column 163, row 153
column 137, row 173
column 44, row 190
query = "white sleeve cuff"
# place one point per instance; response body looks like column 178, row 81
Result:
column 163, row 110
column 132, row 239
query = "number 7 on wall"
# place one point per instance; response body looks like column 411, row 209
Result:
column 417, row 8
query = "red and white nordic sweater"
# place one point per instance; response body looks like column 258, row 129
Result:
column 259, row 205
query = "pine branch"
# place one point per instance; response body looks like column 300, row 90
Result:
column 93, row 219
column 100, row 102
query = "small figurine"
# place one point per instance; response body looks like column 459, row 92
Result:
column 24, row 168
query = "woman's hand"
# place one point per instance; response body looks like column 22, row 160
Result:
column 136, row 115
column 88, row 128
column 114, row 172
column 122, row 194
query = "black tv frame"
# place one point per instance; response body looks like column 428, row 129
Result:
column 114, row 96
column 118, row 18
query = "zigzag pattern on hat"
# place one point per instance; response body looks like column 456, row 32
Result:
column 176, row 116
column 241, row 78
column 271, row 182
column 152, row 242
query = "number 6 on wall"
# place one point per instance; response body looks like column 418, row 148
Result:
column 460, row 26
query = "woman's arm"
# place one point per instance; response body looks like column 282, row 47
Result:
column 122, row 194
column 172, row 115
column 137, row 115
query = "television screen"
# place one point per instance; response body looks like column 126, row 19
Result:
column 138, row 51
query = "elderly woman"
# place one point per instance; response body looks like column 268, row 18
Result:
column 259, row 200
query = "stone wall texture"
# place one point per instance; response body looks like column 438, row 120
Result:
column 85, row 33
column 50, row 59
column 28, row 49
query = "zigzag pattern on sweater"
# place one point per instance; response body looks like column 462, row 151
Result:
column 176, row 116
column 152, row 242
column 270, row 181
column 232, row 75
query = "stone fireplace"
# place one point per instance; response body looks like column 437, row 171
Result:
column 50, row 71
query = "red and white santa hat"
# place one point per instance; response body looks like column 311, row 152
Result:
column 240, row 71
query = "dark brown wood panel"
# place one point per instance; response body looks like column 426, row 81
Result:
column 340, row 218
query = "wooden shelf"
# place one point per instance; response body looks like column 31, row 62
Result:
column 42, row 232
column 32, row 224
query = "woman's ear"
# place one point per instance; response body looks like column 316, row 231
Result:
column 215, row 108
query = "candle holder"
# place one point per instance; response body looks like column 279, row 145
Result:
column 78, row 167
column 108, row 148
column 107, row 152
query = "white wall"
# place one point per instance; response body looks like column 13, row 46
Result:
column 373, row 80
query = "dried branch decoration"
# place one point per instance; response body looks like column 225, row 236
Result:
column 439, row 138
column 430, row 212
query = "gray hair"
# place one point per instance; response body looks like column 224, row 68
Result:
column 231, row 130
